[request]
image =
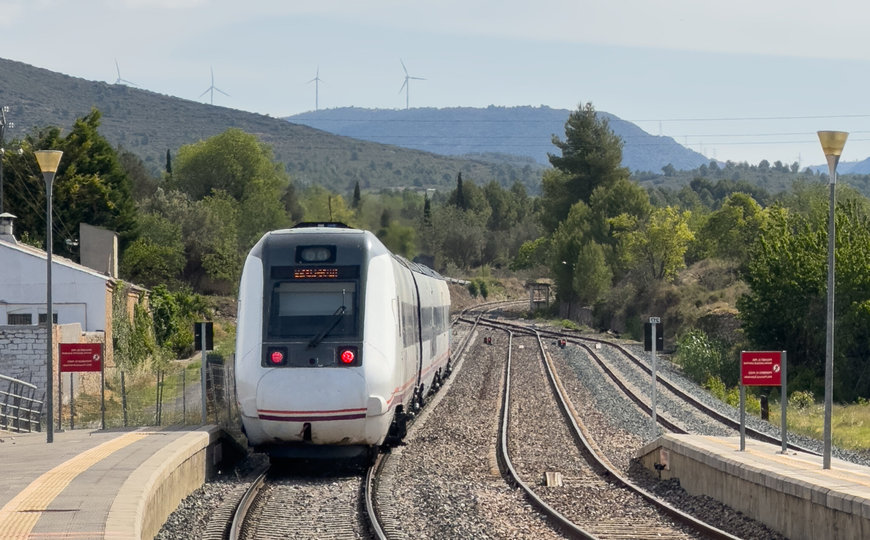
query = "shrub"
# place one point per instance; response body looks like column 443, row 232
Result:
column 484, row 290
column 472, row 288
column 801, row 399
column 716, row 387
column 569, row 324
column 731, row 396
column 699, row 356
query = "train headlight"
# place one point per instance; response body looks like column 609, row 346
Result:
column 347, row 356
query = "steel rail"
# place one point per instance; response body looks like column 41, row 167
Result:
column 704, row 408
column 564, row 404
column 503, row 456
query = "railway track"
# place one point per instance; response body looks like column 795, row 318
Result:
column 677, row 394
column 447, row 482
column 612, row 506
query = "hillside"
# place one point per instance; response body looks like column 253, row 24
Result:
column 493, row 132
column 148, row 124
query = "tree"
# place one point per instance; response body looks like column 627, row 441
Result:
column 532, row 253
column 460, row 193
column 593, row 282
column 355, row 202
column 568, row 240
column 157, row 256
column 322, row 205
column 459, row 236
column 729, row 232
column 398, row 238
column 591, row 157
column 656, row 249
column 786, row 308
column 234, row 162
column 90, row 187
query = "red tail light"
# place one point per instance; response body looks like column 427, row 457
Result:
column 347, row 356
column 275, row 356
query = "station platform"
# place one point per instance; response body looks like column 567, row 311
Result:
column 114, row 484
column 790, row 493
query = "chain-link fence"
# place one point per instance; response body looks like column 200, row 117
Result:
column 143, row 397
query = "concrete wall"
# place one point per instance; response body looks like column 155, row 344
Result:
column 98, row 249
column 22, row 353
column 23, row 356
column 795, row 506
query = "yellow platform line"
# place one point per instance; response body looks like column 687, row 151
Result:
column 20, row 515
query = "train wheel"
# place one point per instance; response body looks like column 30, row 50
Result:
column 398, row 428
column 421, row 398
column 372, row 455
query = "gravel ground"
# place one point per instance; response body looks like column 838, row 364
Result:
column 446, row 479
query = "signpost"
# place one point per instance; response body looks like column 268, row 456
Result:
column 763, row 368
column 652, row 344
column 83, row 357
column 203, row 338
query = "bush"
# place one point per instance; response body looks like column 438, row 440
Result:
column 569, row 324
column 801, row 399
column 699, row 356
column 731, row 396
column 472, row 288
column 484, row 290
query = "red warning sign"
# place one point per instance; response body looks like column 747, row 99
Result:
column 81, row 357
column 761, row 368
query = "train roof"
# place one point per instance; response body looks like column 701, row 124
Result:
column 338, row 227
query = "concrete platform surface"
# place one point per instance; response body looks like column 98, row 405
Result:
column 100, row 484
column 789, row 492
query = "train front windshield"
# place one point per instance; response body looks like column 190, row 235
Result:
column 307, row 309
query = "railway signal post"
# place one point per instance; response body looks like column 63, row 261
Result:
column 652, row 343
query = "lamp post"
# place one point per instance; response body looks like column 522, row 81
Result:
column 832, row 144
column 3, row 125
column 48, row 162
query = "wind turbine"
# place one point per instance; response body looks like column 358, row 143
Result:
column 119, row 80
column 316, row 80
column 406, row 86
column 212, row 88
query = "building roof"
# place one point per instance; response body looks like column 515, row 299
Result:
column 55, row 259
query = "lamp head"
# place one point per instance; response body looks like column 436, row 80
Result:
column 833, row 142
column 48, row 160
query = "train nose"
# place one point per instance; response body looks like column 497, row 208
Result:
column 319, row 405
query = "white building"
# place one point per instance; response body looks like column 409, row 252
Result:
column 79, row 294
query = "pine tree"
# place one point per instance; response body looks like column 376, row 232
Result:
column 356, row 196
column 460, row 194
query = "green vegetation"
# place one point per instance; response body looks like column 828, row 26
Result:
column 694, row 254
column 850, row 424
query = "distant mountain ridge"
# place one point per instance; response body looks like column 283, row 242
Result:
column 148, row 124
column 509, row 131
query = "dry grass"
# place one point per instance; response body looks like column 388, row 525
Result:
column 850, row 424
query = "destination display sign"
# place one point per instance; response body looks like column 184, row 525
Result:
column 761, row 368
column 76, row 357
column 314, row 272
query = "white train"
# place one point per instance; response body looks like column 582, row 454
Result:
column 338, row 341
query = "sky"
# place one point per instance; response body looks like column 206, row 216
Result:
column 738, row 80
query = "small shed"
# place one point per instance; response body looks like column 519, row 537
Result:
column 539, row 294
